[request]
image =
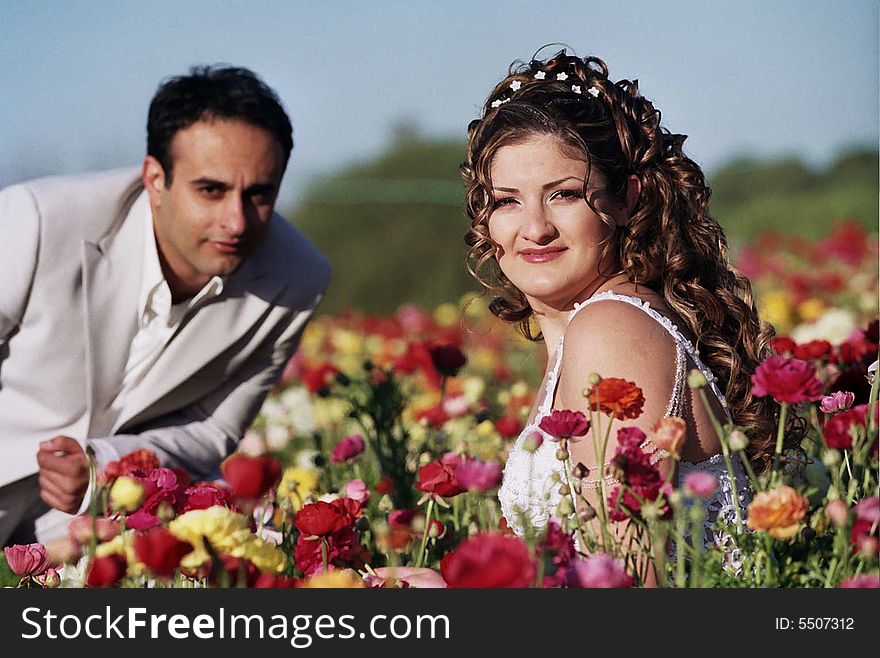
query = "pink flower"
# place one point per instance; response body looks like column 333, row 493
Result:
column 838, row 401
column 477, row 475
column 347, row 449
column 357, row 490
column 599, row 570
column 864, row 581
column 565, row 424
column 786, row 380
column 27, row 559
column 412, row 577
column 83, row 527
column 700, row 483
column 456, row 406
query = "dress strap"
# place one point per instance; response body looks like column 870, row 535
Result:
column 684, row 349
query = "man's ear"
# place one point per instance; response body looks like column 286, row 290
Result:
column 153, row 177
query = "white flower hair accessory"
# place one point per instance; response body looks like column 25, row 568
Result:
column 499, row 102
column 515, row 85
column 562, row 76
column 576, row 89
column 593, row 91
column 540, row 75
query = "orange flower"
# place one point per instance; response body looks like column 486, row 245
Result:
column 617, row 397
column 777, row 512
column 669, row 434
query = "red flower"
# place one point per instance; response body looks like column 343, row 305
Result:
column 489, row 559
column 786, row 380
column 205, row 495
column 343, row 551
column 251, row 477
column 106, row 571
column 439, row 478
column 385, row 486
column 814, row 349
column 447, row 359
column 837, row 428
column 643, row 480
column 319, row 378
column 783, row 345
column 508, row 426
column 616, row 397
column 565, row 424
column 865, row 534
column 160, row 551
column 139, row 460
column 320, row 519
column 558, row 548
column 271, row 581
column 432, row 416
column 349, row 448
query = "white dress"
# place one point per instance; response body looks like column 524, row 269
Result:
column 529, row 491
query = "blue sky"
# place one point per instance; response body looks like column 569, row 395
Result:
column 755, row 76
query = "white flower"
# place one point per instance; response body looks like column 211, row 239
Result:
column 515, row 85
column 540, row 75
column 562, row 76
column 576, row 89
column 496, row 103
column 592, row 91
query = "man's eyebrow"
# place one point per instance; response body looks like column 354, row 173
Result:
column 545, row 186
column 256, row 188
column 209, row 182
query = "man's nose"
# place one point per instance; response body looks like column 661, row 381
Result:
column 234, row 216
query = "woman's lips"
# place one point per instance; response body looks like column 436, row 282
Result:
column 541, row 255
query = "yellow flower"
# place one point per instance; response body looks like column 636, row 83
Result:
column 126, row 494
column 811, row 309
column 297, row 484
column 348, row 342
column 264, row 555
column 777, row 512
column 345, row 578
column 775, row 309
column 225, row 530
column 447, row 315
column 485, row 429
column 473, row 388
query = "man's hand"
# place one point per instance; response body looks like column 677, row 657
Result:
column 64, row 473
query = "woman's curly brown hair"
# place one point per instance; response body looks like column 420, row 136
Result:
column 671, row 243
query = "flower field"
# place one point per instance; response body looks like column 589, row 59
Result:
column 377, row 460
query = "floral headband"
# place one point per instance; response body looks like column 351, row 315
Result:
column 541, row 75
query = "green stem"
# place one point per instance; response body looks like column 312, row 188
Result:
column 780, row 434
column 324, row 555
column 421, row 557
column 725, row 450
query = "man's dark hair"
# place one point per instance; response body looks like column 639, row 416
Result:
column 213, row 92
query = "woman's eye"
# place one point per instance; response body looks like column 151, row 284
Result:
column 506, row 201
column 569, row 194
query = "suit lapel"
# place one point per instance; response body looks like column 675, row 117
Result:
column 112, row 271
column 205, row 333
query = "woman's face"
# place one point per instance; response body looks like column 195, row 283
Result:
column 548, row 238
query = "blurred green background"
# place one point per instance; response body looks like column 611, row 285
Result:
column 392, row 226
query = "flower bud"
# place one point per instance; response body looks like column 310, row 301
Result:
column 165, row 511
column 564, row 490
column 561, row 454
column 385, row 504
column 837, row 512
column 565, row 508
column 676, row 498
column 533, row 442
column 831, row 458
column 696, row 379
column 737, row 440
column 594, row 378
column 580, row 471
column 126, row 494
column 362, row 524
column 555, row 477
column 587, row 513
column 50, row 579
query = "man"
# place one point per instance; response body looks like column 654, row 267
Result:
column 151, row 309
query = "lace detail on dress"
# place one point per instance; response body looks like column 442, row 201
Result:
column 529, row 494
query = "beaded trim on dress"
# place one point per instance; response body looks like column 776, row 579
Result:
column 529, row 490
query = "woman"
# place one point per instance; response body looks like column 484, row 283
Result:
column 589, row 221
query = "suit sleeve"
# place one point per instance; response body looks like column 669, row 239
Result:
column 200, row 435
column 19, row 244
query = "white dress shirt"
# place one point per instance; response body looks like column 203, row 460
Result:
column 157, row 321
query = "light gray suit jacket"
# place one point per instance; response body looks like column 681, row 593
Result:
column 71, row 255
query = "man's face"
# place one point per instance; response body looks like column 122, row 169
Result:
column 217, row 207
